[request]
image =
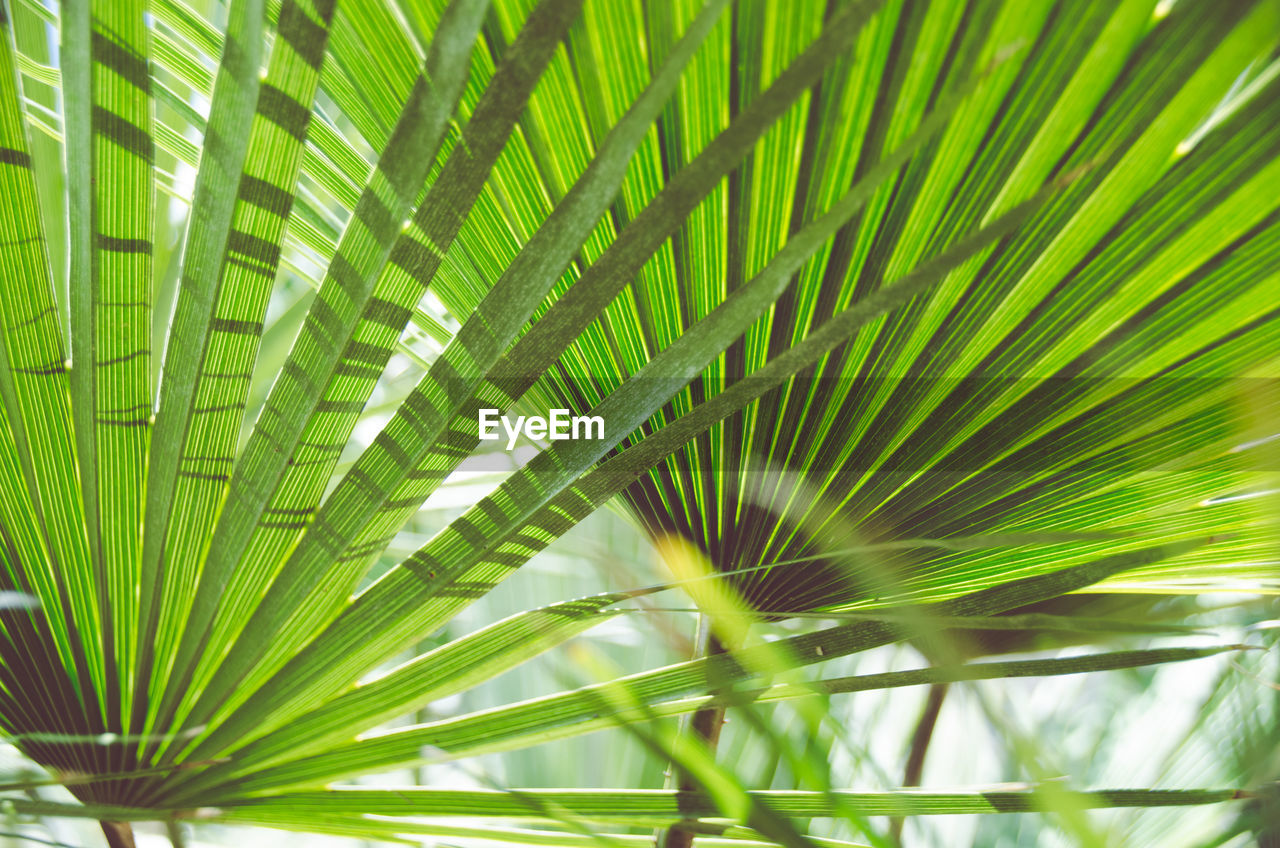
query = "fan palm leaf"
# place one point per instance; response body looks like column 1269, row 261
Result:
column 956, row 305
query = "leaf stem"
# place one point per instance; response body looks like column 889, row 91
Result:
column 705, row 724
column 919, row 747
column 119, row 834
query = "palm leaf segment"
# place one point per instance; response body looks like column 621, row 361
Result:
column 922, row 271
column 1086, row 329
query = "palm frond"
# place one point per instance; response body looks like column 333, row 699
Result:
column 914, row 316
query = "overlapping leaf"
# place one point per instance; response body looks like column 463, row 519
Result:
column 857, row 288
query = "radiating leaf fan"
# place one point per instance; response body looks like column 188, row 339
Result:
column 966, row 304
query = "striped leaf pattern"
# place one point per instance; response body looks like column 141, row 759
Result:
column 251, row 229
column 112, row 207
column 439, row 399
column 910, row 314
column 925, row 393
column 43, row 526
column 282, row 470
column 547, row 497
column 424, row 465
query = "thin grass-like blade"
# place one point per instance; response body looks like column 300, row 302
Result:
column 400, row 747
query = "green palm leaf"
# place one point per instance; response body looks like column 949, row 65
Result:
column 917, row 316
